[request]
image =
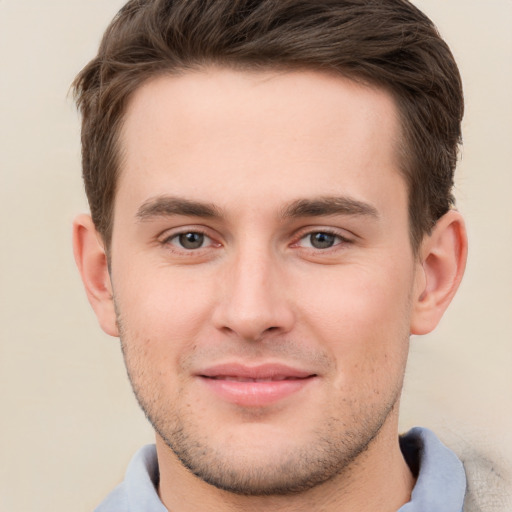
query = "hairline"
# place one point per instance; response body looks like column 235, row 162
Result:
column 400, row 141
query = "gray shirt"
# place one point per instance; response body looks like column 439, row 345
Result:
column 440, row 486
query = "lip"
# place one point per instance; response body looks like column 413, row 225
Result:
column 255, row 386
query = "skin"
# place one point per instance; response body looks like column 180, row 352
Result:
column 258, row 165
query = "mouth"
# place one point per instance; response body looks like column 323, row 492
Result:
column 235, row 378
column 255, row 386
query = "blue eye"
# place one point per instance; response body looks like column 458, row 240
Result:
column 321, row 240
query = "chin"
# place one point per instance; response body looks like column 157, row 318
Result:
column 263, row 460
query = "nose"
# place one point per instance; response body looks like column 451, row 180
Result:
column 254, row 299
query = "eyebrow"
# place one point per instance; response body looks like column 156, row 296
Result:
column 323, row 206
column 164, row 206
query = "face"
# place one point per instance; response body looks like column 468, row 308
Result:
column 262, row 272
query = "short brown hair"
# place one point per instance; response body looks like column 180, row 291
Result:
column 385, row 43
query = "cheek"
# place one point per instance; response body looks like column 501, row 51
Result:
column 358, row 299
column 362, row 318
column 162, row 312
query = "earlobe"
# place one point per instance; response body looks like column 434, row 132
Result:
column 92, row 263
column 443, row 259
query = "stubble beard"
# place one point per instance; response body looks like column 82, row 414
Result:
column 290, row 472
column 334, row 448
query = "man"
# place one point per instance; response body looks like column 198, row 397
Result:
column 271, row 219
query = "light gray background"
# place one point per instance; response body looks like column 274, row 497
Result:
column 68, row 421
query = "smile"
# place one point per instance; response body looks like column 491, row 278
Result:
column 257, row 386
column 248, row 379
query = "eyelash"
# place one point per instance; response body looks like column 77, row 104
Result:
column 340, row 240
column 167, row 241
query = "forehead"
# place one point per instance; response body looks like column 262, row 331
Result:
column 272, row 134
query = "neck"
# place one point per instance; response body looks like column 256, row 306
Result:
column 378, row 480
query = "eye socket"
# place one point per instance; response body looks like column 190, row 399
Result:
column 321, row 240
column 190, row 240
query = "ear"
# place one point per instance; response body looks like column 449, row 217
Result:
column 442, row 262
column 91, row 260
